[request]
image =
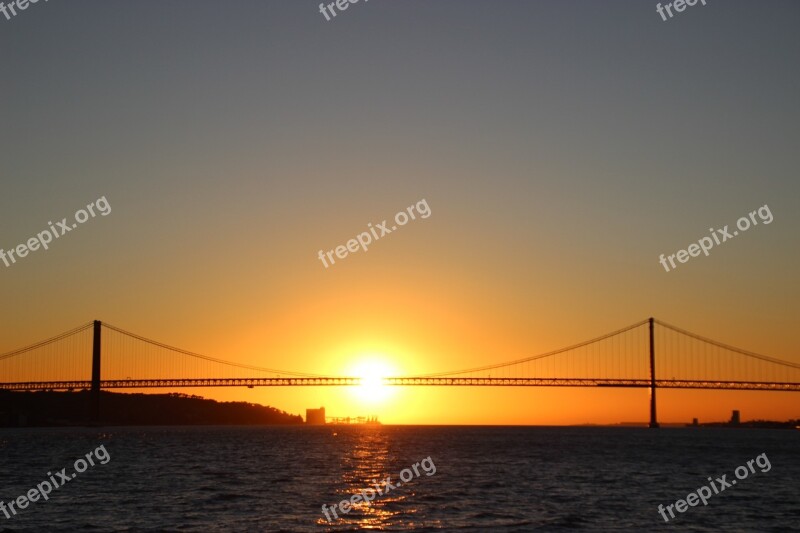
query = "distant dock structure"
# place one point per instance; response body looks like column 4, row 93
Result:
column 349, row 420
column 315, row 417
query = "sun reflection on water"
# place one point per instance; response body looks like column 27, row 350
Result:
column 365, row 467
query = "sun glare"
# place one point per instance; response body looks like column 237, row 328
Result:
column 372, row 369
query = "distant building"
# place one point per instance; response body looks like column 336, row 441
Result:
column 315, row 417
column 694, row 421
column 735, row 418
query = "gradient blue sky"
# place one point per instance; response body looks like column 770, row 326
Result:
column 561, row 145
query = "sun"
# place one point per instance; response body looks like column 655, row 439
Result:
column 372, row 369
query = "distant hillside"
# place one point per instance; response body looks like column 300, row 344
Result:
column 116, row 409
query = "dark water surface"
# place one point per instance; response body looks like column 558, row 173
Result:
column 486, row 479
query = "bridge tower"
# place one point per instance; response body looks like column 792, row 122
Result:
column 653, row 419
column 94, row 415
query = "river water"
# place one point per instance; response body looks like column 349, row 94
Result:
column 486, row 478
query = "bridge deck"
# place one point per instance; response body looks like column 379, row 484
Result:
column 402, row 381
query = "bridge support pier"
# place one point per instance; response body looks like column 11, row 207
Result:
column 653, row 419
column 94, row 408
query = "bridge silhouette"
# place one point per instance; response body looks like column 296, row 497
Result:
column 649, row 354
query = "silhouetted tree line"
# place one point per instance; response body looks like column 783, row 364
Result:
column 72, row 408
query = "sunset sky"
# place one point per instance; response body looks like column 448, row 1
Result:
column 562, row 146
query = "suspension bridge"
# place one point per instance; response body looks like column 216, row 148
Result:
column 649, row 354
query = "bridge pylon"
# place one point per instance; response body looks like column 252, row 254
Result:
column 653, row 419
column 94, row 408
